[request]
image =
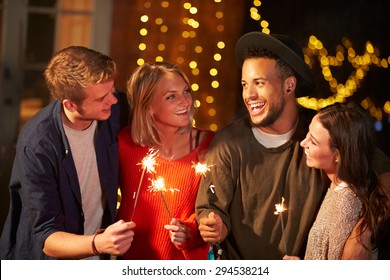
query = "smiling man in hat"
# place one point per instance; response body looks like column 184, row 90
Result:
column 257, row 161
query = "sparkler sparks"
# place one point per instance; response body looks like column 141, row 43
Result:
column 279, row 210
column 158, row 185
column 149, row 161
column 201, row 168
column 148, row 165
column 280, row 207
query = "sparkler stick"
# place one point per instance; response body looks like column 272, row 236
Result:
column 279, row 210
column 165, row 204
column 211, row 255
column 201, row 169
column 211, row 246
column 158, row 185
column 148, row 164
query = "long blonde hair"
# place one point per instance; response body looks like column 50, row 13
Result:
column 141, row 88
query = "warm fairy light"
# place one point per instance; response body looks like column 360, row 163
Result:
column 213, row 127
column 189, row 21
column 195, row 71
column 209, row 99
column 344, row 54
column 213, row 72
column 212, row 112
column 195, row 87
column 201, row 168
column 314, row 53
column 140, row 61
column 144, row 18
column 143, row 32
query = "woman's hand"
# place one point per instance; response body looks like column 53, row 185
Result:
column 178, row 232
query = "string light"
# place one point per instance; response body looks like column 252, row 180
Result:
column 154, row 19
column 345, row 53
column 190, row 53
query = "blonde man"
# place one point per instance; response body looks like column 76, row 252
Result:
column 63, row 186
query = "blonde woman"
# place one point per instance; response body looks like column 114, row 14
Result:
column 161, row 119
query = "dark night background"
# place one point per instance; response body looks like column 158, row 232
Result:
column 360, row 21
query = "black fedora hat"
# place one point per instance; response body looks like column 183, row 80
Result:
column 283, row 46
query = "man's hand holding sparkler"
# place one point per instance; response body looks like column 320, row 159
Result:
column 212, row 229
column 115, row 240
column 178, row 232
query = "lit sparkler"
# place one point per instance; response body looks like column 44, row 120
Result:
column 158, row 185
column 149, row 161
column 219, row 251
column 148, row 165
column 279, row 210
column 201, row 168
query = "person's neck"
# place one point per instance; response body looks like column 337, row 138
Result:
column 70, row 120
column 173, row 144
column 335, row 181
column 286, row 121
